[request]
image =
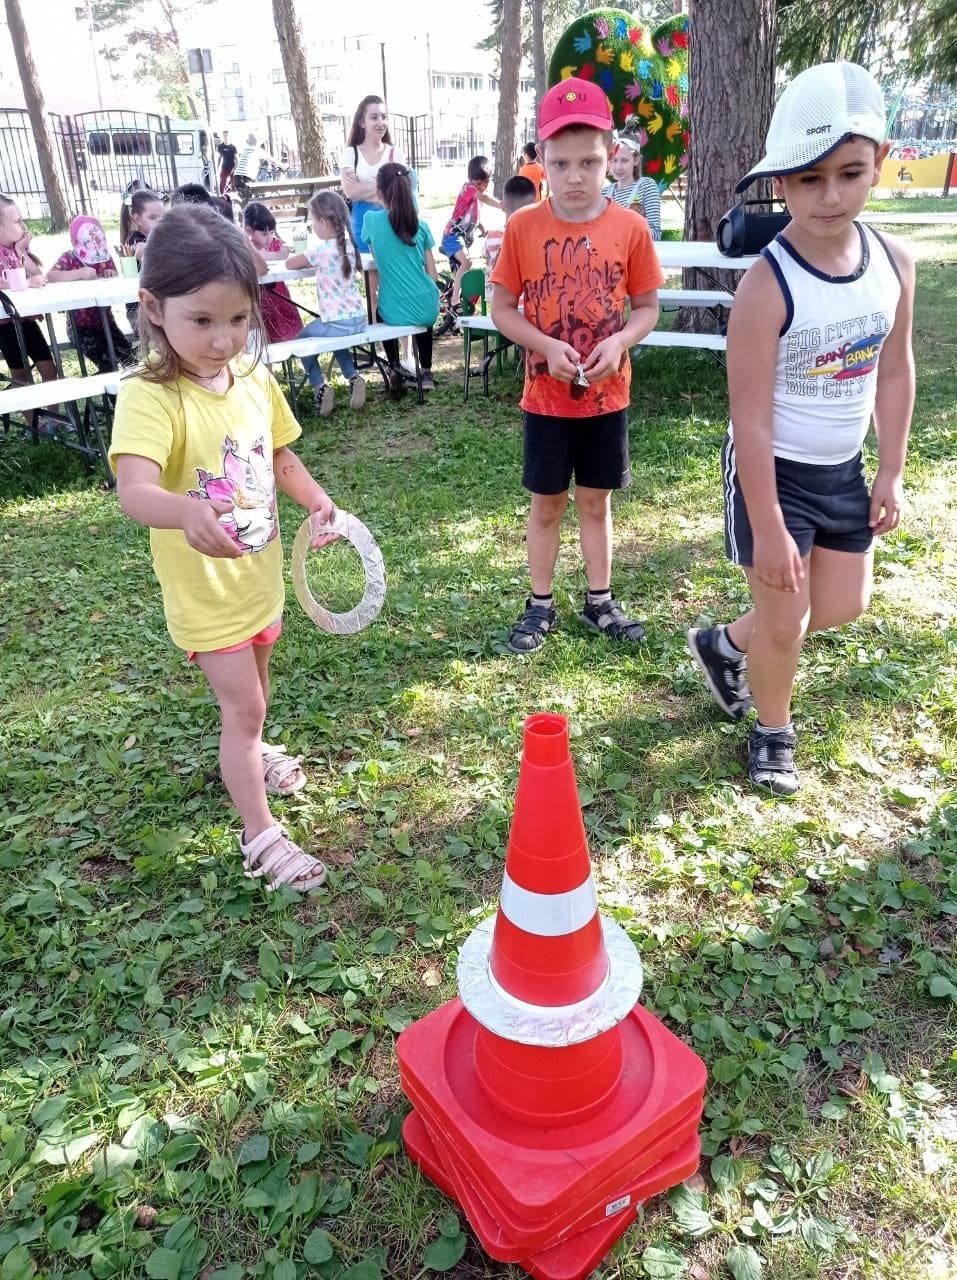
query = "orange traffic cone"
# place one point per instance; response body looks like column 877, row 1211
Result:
column 548, row 1103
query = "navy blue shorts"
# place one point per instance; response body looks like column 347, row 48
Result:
column 823, row 506
column 593, row 450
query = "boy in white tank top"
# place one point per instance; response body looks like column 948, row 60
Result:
column 819, row 344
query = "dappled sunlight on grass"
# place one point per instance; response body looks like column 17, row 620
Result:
column 217, row 1064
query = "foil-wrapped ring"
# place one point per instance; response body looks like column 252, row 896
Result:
column 552, row 1026
column 352, row 529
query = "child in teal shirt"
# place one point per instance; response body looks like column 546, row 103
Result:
column 402, row 248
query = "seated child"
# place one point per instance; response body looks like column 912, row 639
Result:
column 460, row 228
column 280, row 314
column 139, row 214
column 15, row 255
column 338, row 268
column 89, row 259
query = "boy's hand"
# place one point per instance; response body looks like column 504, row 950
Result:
column 37, row 281
column 323, row 511
column 562, row 360
column 204, row 532
column 887, row 497
column 604, row 359
column 777, row 561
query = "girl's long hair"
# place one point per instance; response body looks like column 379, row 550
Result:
column 357, row 134
column 189, row 247
column 134, row 204
column 394, row 184
column 332, row 207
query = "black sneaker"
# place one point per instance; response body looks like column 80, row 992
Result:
column 610, row 619
column 529, row 632
column 725, row 677
column 771, row 761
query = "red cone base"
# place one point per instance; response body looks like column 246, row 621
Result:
column 507, row 1237
column 538, row 1171
column 577, row 1255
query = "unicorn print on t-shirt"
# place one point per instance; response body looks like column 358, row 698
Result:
column 247, row 483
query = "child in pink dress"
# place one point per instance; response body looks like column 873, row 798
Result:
column 89, row 258
column 280, row 314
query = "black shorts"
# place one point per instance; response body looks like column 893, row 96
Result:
column 823, row 506
column 33, row 340
column 593, row 450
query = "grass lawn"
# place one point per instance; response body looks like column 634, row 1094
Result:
column 198, row 1079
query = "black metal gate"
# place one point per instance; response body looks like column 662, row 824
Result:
column 413, row 137
column 20, row 174
column 98, row 154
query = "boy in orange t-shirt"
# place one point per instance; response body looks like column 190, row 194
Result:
column 574, row 262
column 531, row 169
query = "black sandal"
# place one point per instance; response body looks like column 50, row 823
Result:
column 529, row 632
column 609, row 618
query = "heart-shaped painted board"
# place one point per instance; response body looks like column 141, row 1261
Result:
column 644, row 72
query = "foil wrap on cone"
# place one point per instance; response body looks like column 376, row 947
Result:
column 549, row 1026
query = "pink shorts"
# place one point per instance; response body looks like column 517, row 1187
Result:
column 268, row 635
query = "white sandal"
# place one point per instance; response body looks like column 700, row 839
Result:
column 278, row 766
column 272, row 854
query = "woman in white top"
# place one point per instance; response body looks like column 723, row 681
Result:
column 629, row 188
column 369, row 147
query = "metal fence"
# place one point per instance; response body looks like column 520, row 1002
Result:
column 98, row 155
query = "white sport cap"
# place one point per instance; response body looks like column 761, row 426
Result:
column 821, row 108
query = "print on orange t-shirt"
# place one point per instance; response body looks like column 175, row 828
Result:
column 535, row 173
column 575, row 279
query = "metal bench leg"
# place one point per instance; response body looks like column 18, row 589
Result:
column 468, row 360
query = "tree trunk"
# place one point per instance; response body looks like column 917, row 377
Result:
column 169, row 13
column 731, row 94
column 538, row 51
column 511, row 57
column 36, row 107
column 306, row 116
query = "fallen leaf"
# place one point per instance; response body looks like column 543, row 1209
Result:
column 130, row 742
column 431, row 977
column 145, row 1216
column 97, row 617
column 438, row 635
column 413, row 733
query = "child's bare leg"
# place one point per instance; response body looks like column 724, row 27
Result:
column 840, row 583
column 234, row 678
column 780, row 625
column 292, row 779
column 544, row 525
column 464, row 262
column 595, row 534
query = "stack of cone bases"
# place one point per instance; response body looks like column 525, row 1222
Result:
column 547, row 1102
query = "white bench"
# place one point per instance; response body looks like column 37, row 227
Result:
column 485, row 326
column 695, row 298
column 285, row 352
column 91, row 438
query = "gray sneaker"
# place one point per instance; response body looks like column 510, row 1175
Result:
column 325, row 399
column 726, row 678
column 357, row 391
column 771, row 762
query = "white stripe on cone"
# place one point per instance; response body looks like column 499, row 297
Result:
column 548, row 915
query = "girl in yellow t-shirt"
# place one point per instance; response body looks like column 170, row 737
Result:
column 200, row 445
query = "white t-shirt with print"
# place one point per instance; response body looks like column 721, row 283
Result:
column 338, row 295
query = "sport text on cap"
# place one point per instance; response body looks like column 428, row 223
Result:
column 821, row 108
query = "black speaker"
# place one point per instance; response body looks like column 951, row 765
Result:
column 743, row 231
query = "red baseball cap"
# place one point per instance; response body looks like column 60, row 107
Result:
column 573, row 101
